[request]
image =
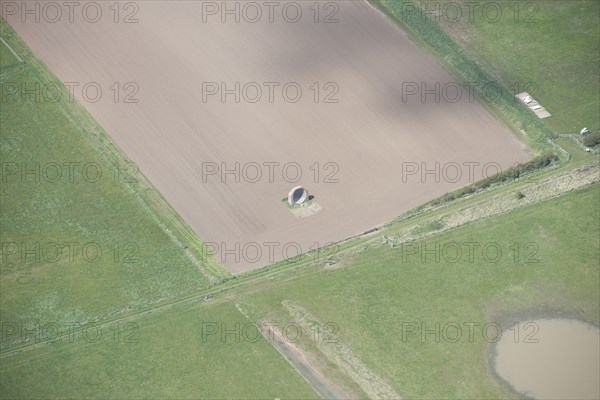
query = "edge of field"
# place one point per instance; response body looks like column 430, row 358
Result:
column 432, row 38
column 150, row 198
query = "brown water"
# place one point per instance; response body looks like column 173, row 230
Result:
column 564, row 363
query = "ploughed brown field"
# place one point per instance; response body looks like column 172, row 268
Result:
column 366, row 144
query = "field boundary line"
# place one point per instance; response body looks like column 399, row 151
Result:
column 434, row 40
column 169, row 221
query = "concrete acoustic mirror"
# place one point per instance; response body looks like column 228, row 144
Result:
column 297, row 196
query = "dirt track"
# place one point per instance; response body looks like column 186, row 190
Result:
column 368, row 134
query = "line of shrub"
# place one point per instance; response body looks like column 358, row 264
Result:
column 510, row 174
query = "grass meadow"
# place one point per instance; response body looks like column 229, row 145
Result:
column 161, row 355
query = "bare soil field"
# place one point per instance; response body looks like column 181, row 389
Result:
column 182, row 133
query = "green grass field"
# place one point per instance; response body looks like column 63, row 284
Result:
column 167, row 357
